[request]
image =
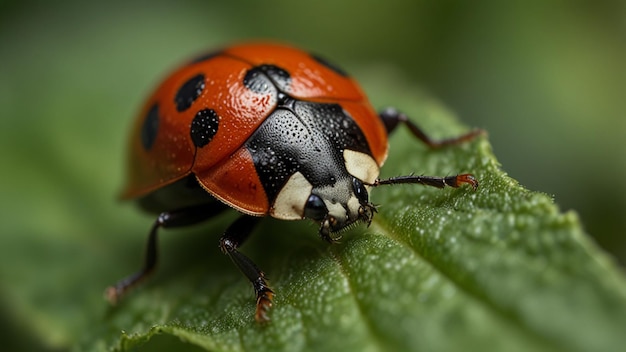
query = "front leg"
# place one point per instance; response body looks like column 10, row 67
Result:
column 391, row 117
column 235, row 235
column 434, row 181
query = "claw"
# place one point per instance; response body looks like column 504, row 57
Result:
column 263, row 305
column 467, row 178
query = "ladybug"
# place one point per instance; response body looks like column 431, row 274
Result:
column 269, row 130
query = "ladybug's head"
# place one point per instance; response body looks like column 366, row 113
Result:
column 338, row 206
column 330, row 190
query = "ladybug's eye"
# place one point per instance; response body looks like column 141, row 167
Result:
column 315, row 208
column 360, row 191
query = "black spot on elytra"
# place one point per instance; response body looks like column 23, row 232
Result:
column 204, row 127
column 259, row 78
column 189, row 92
column 150, row 127
column 330, row 65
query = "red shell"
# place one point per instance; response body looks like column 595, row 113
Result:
column 223, row 167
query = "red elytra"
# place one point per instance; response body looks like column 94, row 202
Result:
column 223, row 167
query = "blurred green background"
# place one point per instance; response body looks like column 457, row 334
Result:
column 546, row 79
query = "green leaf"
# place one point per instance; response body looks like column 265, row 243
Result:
column 496, row 269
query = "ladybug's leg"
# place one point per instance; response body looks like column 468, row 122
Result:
column 439, row 182
column 234, row 236
column 392, row 117
column 177, row 218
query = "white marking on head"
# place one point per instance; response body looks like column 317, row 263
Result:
column 341, row 202
column 336, row 210
column 353, row 207
column 361, row 166
column 290, row 201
